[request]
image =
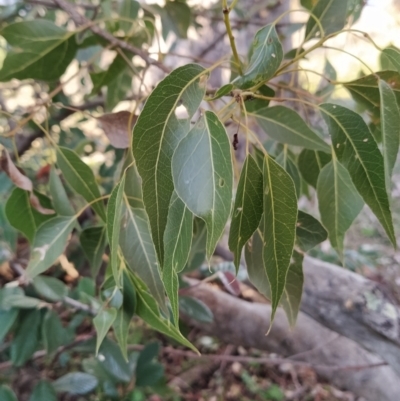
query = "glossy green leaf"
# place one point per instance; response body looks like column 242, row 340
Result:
column 177, row 244
column 26, row 337
column 54, row 335
column 43, row 391
column 366, row 90
column 148, row 310
column 125, row 314
column 149, row 371
column 392, row 54
column 22, row 216
column 37, row 44
column 139, row 253
column 7, row 319
column 248, row 208
column 155, row 140
column 203, row 177
column 196, row 309
column 6, row 394
column 75, row 383
column 50, row 242
column 280, row 216
column 266, row 58
column 339, row 202
column 93, row 242
column 102, row 323
column 50, row 288
column 311, row 163
column 114, row 210
column 390, row 127
column 286, row 126
column 357, row 150
column 331, row 14
column 81, row 178
column 286, row 161
column 309, row 231
column 59, row 197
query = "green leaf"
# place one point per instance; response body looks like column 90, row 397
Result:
column 289, row 165
column 133, row 184
column 43, row 391
column 196, row 309
column 291, row 297
column 331, row 14
column 357, row 150
column 177, row 244
column 155, row 140
column 125, row 314
column 392, row 54
column 49, row 243
column 114, row 209
column 128, row 9
column 339, row 202
column 197, row 253
column 286, row 126
column 311, row 163
column 54, row 335
column 390, row 127
column 309, row 231
column 93, row 242
column 22, row 216
column 309, row 4
column 76, row 383
column 248, row 208
column 175, row 17
column 266, row 58
column 14, row 297
column 118, row 89
column 102, row 323
column 50, row 288
column 81, row 178
column 108, row 77
column 222, row 91
column 139, row 253
column 366, row 90
column 148, row 371
column 7, row 319
column 26, row 337
column 60, row 199
column 252, row 105
column 113, row 362
column 6, row 394
column 148, row 310
column 280, row 216
column 203, row 177
column 38, row 45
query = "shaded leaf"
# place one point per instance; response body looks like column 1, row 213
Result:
column 93, row 242
column 102, row 323
column 339, row 202
column 155, row 140
column 311, row 163
column 81, row 178
column 50, row 288
column 175, row 17
column 54, row 335
column 248, row 208
column 203, row 177
column 148, row 371
column 133, row 183
column 49, row 243
column 75, row 383
column 6, row 394
column 280, row 216
column 289, row 165
column 59, row 197
column 195, row 309
column 43, row 391
column 197, row 253
column 357, row 150
column 128, row 9
column 392, row 54
column 177, row 244
column 222, row 91
column 309, row 231
column 252, row 105
column 7, row 319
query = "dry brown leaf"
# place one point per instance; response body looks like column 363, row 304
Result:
column 118, row 128
column 21, row 181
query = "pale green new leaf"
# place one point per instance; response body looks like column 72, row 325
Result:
column 266, row 58
column 203, row 177
column 138, row 250
column 177, row 243
column 286, row 126
column 393, row 56
column 390, row 127
column 339, row 202
column 49, row 243
column 59, row 197
column 81, row 178
column 357, row 150
column 331, row 14
column 280, row 216
column 155, row 137
column 248, row 208
column 102, row 323
column 42, row 51
column 114, row 209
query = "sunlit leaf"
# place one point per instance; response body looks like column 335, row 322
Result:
column 309, row 231
column 156, row 134
column 357, row 150
column 203, row 177
column 102, row 323
column 266, row 58
column 248, row 207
